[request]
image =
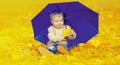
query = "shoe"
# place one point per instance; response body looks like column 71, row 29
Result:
column 44, row 51
column 62, row 49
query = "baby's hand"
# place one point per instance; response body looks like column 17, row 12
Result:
column 68, row 32
column 71, row 32
column 62, row 41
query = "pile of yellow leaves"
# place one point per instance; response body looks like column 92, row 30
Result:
column 18, row 47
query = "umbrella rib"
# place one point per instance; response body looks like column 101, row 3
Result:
column 72, row 27
column 43, row 14
column 84, row 21
column 81, row 10
column 68, row 7
column 58, row 7
column 69, row 23
column 42, row 29
column 91, row 26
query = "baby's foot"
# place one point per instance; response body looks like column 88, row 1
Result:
column 44, row 51
column 62, row 49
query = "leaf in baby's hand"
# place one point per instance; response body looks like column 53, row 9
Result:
column 65, row 33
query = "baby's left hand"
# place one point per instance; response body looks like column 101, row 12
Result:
column 72, row 32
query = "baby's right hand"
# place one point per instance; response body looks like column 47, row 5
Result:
column 63, row 39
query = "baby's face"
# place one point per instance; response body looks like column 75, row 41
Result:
column 57, row 20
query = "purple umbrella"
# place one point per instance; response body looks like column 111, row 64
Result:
column 82, row 19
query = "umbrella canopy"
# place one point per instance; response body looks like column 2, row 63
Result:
column 82, row 19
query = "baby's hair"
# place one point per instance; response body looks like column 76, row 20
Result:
column 55, row 12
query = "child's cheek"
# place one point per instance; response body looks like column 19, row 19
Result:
column 62, row 23
column 55, row 24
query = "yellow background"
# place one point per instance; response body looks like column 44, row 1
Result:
column 18, row 47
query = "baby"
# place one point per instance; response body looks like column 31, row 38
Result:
column 57, row 42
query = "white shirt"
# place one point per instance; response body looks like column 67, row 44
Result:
column 55, row 34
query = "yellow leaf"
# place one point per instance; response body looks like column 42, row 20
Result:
column 66, row 32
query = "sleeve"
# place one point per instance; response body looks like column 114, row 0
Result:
column 52, row 35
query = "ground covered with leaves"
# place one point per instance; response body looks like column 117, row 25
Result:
column 18, row 47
